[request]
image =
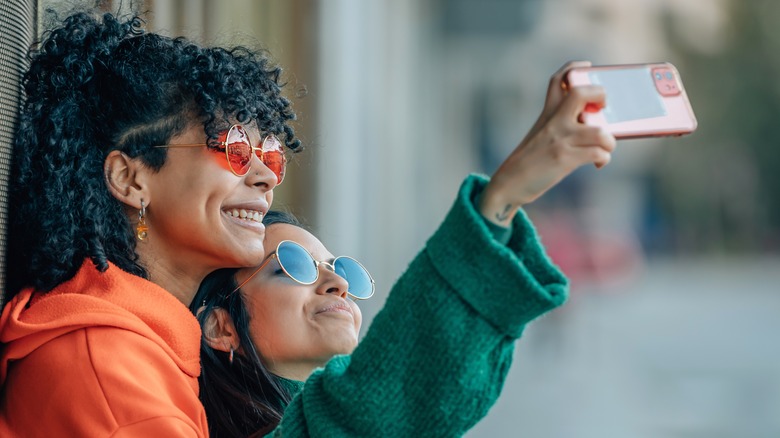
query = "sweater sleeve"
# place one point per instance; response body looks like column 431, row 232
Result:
column 436, row 357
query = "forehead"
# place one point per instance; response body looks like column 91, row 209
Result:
column 195, row 132
column 278, row 232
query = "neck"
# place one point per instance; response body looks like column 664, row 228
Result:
column 295, row 371
column 178, row 276
column 179, row 284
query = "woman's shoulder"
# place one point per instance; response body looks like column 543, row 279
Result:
column 117, row 379
column 115, row 305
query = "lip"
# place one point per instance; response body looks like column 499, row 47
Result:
column 337, row 307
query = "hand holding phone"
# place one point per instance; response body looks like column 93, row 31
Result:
column 552, row 149
column 643, row 100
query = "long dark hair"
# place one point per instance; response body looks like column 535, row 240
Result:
column 100, row 83
column 241, row 398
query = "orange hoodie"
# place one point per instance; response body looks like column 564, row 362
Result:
column 103, row 354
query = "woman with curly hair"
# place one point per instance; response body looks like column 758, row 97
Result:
column 142, row 163
column 436, row 356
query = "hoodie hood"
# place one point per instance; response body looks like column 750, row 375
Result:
column 91, row 298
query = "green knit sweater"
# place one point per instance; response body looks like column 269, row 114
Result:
column 435, row 358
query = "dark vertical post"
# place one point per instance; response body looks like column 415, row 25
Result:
column 17, row 30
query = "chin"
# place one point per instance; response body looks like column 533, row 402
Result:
column 347, row 347
column 351, row 347
column 249, row 257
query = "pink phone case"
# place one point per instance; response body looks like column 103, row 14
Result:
column 643, row 100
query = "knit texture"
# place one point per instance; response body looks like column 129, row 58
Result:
column 436, row 357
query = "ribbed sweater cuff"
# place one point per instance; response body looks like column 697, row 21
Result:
column 508, row 285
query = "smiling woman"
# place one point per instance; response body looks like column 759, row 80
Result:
column 436, row 356
column 266, row 329
column 110, row 235
column 194, row 220
column 319, row 319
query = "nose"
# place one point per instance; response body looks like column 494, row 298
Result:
column 259, row 175
column 330, row 282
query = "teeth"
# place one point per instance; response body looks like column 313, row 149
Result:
column 250, row 215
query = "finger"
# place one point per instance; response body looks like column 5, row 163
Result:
column 555, row 90
column 556, row 93
column 602, row 161
column 574, row 103
column 594, row 136
column 558, row 76
column 591, row 154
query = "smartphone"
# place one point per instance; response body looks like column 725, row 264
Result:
column 643, row 100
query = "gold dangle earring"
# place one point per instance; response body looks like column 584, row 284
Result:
column 141, row 229
column 230, row 359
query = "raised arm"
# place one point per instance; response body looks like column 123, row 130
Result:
column 436, row 357
column 555, row 146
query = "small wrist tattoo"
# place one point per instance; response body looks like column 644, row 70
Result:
column 504, row 215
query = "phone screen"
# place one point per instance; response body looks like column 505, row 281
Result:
column 631, row 94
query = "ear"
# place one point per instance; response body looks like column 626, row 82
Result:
column 125, row 178
column 220, row 332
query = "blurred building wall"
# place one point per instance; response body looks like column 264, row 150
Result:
column 399, row 100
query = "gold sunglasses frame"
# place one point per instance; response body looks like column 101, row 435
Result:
column 224, row 144
column 317, row 263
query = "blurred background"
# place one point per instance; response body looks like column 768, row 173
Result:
column 673, row 249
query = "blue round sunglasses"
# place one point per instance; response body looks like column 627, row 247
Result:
column 298, row 264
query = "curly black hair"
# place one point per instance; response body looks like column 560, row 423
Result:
column 101, row 83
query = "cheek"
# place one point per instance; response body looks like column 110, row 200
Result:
column 203, row 194
column 216, row 160
column 210, row 174
column 274, row 323
column 358, row 315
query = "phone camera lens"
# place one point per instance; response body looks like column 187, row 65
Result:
column 669, row 75
column 658, row 76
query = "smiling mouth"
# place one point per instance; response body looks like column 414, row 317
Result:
column 247, row 215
